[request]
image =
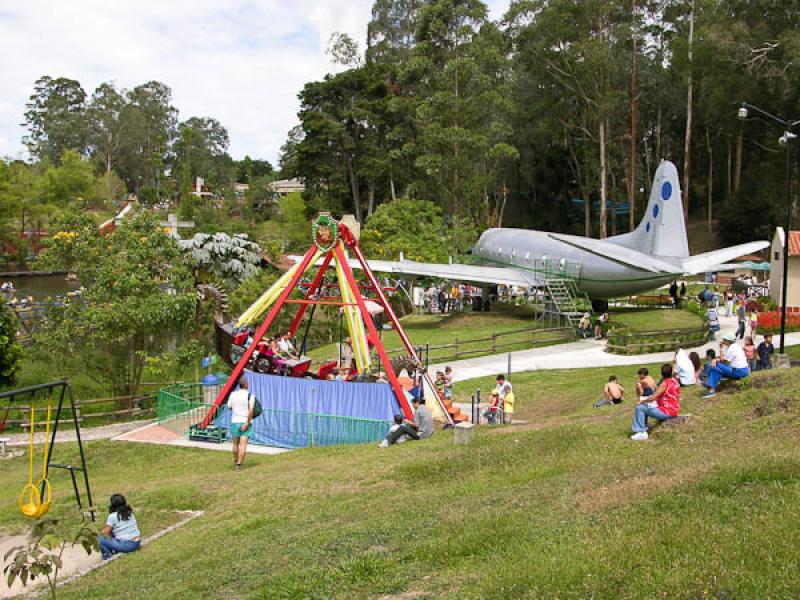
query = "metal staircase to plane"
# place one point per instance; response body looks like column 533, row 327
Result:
column 566, row 299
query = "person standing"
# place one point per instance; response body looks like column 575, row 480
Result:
column 765, row 350
column 673, row 292
column 241, row 403
column 741, row 315
column 683, row 291
column 121, row 532
column 729, row 302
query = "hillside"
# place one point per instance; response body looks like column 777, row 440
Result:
column 565, row 506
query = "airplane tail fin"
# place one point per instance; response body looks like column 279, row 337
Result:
column 662, row 231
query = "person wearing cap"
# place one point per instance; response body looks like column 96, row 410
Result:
column 731, row 364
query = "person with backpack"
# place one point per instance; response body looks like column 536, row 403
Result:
column 242, row 405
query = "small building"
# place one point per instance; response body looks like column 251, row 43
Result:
column 776, row 271
column 286, row 186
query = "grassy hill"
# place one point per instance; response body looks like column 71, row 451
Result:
column 565, row 506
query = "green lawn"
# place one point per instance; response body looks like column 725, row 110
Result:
column 654, row 319
column 565, row 506
column 464, row 326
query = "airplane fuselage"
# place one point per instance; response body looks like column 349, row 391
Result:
column 599, row 277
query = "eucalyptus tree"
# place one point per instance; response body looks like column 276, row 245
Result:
column 55, row 118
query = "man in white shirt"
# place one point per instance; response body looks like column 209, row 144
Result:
column 732, row 364
column 684, row 368
column 241, row 404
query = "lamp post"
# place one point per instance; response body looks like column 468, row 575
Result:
column 785, row 140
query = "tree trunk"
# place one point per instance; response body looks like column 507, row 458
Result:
column 503, row 205
column 611, row 201
column 603, row 191
column 729, row 180
column 354, row 189
column 687, row 144
column 370, row 197
column 710, row 181
column 587, row 215
column 634, row 103
column 737, row 173
column 391, row 188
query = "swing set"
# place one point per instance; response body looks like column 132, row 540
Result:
column 36, row 496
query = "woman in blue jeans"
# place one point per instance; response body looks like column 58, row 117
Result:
column 121, row 532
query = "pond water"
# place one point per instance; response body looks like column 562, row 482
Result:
column 40, row 286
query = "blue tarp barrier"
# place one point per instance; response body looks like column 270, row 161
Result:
column 302, row 412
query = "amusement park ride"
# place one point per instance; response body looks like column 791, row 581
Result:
column 332, row 242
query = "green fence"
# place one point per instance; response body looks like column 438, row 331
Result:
column 182, row 405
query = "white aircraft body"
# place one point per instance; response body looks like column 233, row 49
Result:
column 655, row 253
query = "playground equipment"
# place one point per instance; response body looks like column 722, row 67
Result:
column 333, row 242
column 32, row 502
column 36, row 498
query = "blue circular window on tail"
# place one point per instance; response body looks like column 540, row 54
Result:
column 647, row 229
column 655, row 211
column 666, row 191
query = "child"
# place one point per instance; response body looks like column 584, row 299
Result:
column 750, row 352
column 448, row 383
column 711, row 355
column 439, row 384
column 398, row 422
column 613, row 393
column 765, row 350
column 646, row 385
column 753, row 323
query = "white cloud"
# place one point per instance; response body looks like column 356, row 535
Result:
column 242, row 62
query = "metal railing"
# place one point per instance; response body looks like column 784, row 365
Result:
column 182, row 405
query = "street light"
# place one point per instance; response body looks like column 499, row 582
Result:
column 785, row 140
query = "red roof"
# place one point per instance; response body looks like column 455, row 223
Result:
column 794, row 243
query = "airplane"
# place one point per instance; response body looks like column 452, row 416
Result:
column 652, row 255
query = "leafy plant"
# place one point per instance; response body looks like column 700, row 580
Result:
column 43, row 556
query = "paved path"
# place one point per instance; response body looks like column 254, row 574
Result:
column 66, row 432
column 577, row 355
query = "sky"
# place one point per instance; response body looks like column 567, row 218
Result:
column 241, row 62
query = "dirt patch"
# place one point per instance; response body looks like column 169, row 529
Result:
column 405, row 596
column 626, row 491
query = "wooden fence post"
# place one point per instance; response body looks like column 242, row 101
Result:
column 456, row 344
column 494, row 343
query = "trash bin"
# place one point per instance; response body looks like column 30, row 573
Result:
column 212, row 384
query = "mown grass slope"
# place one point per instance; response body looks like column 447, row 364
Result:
column 565, row 506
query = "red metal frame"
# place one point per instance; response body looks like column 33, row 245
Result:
column 311, row 291
column 353, row 245
column 237, row 370
column 362, row 307
column 316, row 285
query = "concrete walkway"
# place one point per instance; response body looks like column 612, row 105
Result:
column 577, row 355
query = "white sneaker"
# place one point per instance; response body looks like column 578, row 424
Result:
column 383, row 444
column 640, row 436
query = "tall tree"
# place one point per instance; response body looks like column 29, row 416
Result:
column 107, row 125
column 55, row 118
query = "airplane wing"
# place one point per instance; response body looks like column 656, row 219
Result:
column 620, row 254
column 455, row 272
column 477, row 274
column 710, row 261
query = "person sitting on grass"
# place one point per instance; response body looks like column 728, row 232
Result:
column 765, row 350
column 710, row 356
column 645, row 385
column 613, row 393
column 241, row 403
column 697, row 364
column 404, row 437
column 732, row 364
column 121, row 532
column 667, row 399
column 684, row 369
column 419, row 429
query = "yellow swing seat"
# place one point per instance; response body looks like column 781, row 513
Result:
column 31, row 502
